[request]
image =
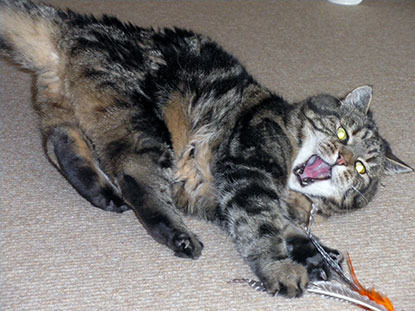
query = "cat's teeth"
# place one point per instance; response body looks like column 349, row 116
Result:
column 299, row 170
column 307, row 180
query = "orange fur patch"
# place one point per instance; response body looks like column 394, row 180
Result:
column 177, row 122
column 194, row 191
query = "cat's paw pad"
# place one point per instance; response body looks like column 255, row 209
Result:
column 186, row 245
column 285, row 278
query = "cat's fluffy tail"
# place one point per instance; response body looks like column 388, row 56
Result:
column 29, row 33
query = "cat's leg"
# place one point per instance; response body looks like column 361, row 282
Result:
column 279, row 252
column 68, row 150
column 142, row 168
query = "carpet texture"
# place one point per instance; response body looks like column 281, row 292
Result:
column 60, row 253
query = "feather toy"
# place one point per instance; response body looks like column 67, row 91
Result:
column 346, row 289
column 334, row 290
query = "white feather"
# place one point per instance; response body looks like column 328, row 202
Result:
column 339, row 291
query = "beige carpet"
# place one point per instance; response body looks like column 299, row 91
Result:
column 60, row 253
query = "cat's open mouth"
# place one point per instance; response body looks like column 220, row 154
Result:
column 312, row 170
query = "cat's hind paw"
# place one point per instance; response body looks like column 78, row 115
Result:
column 186, row 245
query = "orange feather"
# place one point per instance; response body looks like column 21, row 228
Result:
column 369, row 293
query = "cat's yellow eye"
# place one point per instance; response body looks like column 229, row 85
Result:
column 360, row 168
column 341, row 134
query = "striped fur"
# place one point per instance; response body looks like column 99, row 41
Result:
column 167, row 121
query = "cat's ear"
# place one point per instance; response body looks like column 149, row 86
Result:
column 360, row 98
column 394, row 165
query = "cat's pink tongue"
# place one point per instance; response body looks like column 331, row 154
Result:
column 316, row 168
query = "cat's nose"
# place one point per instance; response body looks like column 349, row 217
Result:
column 341, row 160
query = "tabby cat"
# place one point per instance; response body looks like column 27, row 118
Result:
column 166, row 121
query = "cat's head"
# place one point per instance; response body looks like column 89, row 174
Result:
column 341, row 155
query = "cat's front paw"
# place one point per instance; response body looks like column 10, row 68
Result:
column 285, row 277
column 302, row 251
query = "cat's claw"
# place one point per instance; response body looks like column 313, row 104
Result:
column 323, row 275
column 187, row 246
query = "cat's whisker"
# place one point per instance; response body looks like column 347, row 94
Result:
column 361, row 194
